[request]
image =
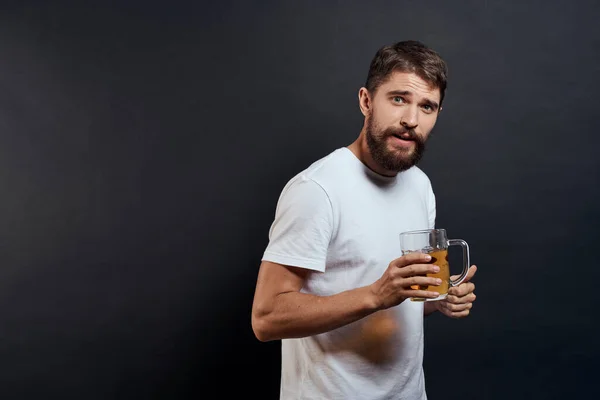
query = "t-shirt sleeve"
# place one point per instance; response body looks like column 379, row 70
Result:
column 431, row 207
column 302, row 228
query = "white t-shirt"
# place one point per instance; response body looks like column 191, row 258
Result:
column 342, row 220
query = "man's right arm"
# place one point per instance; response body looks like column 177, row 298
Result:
column 298, row 244
column 280, row 310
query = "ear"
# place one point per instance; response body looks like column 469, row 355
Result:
column 364, row 101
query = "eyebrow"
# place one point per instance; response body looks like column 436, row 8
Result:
column 427, row 101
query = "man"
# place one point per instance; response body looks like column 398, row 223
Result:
column 331, row 286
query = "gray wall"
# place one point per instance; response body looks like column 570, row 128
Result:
column 143, row 147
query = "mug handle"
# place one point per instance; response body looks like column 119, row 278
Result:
column 466, row 260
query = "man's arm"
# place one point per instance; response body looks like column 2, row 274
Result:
column 280, row 310
column 301, row 231
column 429, row 308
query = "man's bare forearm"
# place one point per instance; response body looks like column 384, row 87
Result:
column 429, row 307
column 296, row 314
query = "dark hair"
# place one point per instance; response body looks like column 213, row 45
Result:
column 408, row 56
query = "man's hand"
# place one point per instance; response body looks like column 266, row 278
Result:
column 460, row 298
column 403, row 273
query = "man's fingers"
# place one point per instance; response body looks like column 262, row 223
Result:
column 461, row 300
column 462, row 290
column 421, row 294
column 421, row 281
column 417, row 270
column 412, row 258
column 470, row 274
column 460, row 314
column 465, row 287
column 456, row 308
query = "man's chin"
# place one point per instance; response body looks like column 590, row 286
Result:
column 396, row 165
column 401, row 155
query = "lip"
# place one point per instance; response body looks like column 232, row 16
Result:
column 401, row 142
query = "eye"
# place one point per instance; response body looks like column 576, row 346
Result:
column 428, row 108
column 397, row 99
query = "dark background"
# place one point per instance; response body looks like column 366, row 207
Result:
column 143, row 146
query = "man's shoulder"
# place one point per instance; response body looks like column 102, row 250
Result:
column 416, row 174
column 328, row 167
column 320, row 172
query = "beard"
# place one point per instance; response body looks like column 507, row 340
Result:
column 396, row 160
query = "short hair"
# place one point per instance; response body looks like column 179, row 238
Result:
column 408, row 56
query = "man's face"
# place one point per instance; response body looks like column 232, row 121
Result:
column 403, row 111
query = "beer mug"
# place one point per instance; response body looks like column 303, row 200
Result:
column 435, row 243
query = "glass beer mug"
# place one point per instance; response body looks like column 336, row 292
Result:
column 435, row 243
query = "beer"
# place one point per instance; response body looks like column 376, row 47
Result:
column 435, row 242
column 439, row 258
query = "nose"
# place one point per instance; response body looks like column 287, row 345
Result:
column 410, row 118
